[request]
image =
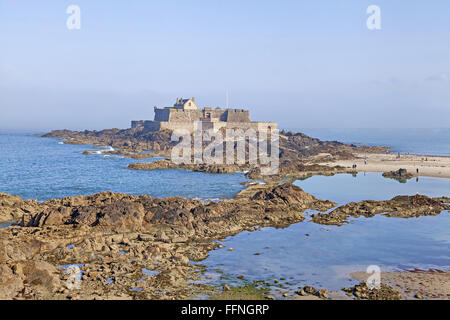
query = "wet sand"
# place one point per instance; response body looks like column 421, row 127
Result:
column 415, row 284
column 429, row 166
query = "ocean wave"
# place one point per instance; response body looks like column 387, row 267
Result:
column 106, row 149
column 206, row 200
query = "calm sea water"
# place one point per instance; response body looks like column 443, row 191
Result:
column 304, row 253
column 311, row 254
column 43, row 168
column 414, row 141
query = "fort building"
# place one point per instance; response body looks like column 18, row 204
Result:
column 185, row 113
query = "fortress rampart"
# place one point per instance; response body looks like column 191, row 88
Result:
column 185, row 113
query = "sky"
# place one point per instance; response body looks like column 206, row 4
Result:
column 304, row 64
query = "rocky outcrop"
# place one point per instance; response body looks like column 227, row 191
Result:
column 13, row 207
column 363, row 292
column 399, row 207
column 282, row 204
column 401, row 175
column 296, row 169
column 295, row 151
column 22, row 273
column 127, row 140
column 131, row 247
column 292, row 170
column 168, row 164
column 309, row 290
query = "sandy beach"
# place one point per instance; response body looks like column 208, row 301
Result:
column 429, row 166
column 416, row 284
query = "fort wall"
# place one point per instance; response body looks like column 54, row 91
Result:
column 185, row 113
column 206, row 125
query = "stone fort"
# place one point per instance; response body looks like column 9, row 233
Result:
column 185, row 113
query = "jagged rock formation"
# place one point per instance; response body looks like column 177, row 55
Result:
column 281, row 204
column 168, row 164
column 296, row 150
column 116, row 237
column 296, row 169
column 14, row 207
column 399, row 207
column 129, row 140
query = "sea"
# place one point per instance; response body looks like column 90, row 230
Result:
column 414, row 141
column 304, row 253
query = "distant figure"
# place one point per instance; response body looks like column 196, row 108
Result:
column 365, row 161
column 417, row 170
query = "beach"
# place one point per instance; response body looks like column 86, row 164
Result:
column 418, row 284
column 429, row 166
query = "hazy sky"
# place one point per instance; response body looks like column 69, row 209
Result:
column 309, row 63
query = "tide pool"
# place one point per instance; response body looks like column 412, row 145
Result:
column 311, row 254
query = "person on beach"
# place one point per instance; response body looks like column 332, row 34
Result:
column 417, row 170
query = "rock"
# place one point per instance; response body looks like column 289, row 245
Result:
column 401, row 175
column 12, row 208
column 294, row 148
column 168, row 164
column 399, row 206
column 323, row 293
column 362, row 292
column 301, row 292
column 145, row 237
column 418, row 296
column 10, row 284
column 40, row 275
column 226, row 287
column 178, row 239
column 161, row 235
column 310, row 290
